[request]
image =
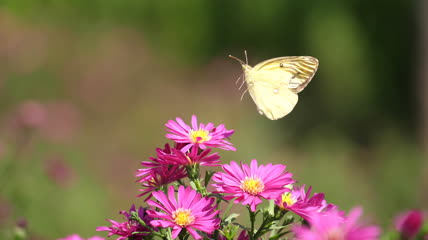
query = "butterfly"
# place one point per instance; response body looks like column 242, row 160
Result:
column 273, row 84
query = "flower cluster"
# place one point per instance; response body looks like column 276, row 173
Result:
column 131, row 227
column 179, row 204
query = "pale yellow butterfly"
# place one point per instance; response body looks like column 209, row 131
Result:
column 273, row 84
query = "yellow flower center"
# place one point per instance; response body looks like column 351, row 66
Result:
column 199, row 136
column 183, row 217
column 252, row 185
column 288, row 199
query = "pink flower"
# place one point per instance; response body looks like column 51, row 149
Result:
column 154, row 178
column 203, row 135
column 77, row 237
column 299, row 202
column 175, row 156
column 159, row 172
column 126, row 229
column 189, row 210
column 251, row 183
column 331, row 225
column 409, row 223
column 193, row 156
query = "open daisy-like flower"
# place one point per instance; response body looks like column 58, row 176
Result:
column 251, row 183
column 332, row 225
column 203, row 135
column 189, row 210
column 299, row 201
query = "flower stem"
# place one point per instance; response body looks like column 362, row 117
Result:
column 200, row 188
column 252, row 219
column 135, row 217
column 193, row 173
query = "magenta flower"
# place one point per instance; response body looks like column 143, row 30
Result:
column 126, row 229
column 153, row 178
column 77, row 237
column 331, row 225
column 189, row 210
column 159, row 172
column 193, row 156
column 299, row 202
column 203, row 135
column 251, row 183
column 409, row 223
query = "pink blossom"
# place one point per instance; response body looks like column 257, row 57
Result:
column 158, row 172
column 77, row 237
column 409, row 223
column 331, row 225
column 251, row 183
column 189, row 210
column 300, row 202
column 175, row 156
column 193, row 156
column 126, row 229
column 203, row 135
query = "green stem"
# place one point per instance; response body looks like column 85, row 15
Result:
column 252, row 219
column 182, row 235
column 200, row 188
column 260, row 230
column 227, row 210
column 193, row 173
column 134, row 216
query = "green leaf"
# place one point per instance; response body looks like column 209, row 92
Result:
column 241, row 226
column 208, row 176
column 271, row 208
column 193, row 185
column 232, row 217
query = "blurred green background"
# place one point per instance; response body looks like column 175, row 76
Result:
column 86, row 87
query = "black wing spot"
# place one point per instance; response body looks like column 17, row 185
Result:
column 281, row 65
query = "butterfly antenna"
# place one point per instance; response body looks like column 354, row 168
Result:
column 239, row 60
column 246, row 57
column 242, row 96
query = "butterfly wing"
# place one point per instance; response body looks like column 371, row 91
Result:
column 270, row 92
column 274, row 84
column 302, row 68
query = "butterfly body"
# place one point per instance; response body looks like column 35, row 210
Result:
column 273, row 84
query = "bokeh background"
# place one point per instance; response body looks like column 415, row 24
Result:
column 87, row 86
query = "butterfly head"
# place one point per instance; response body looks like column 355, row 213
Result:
column 244, row 65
